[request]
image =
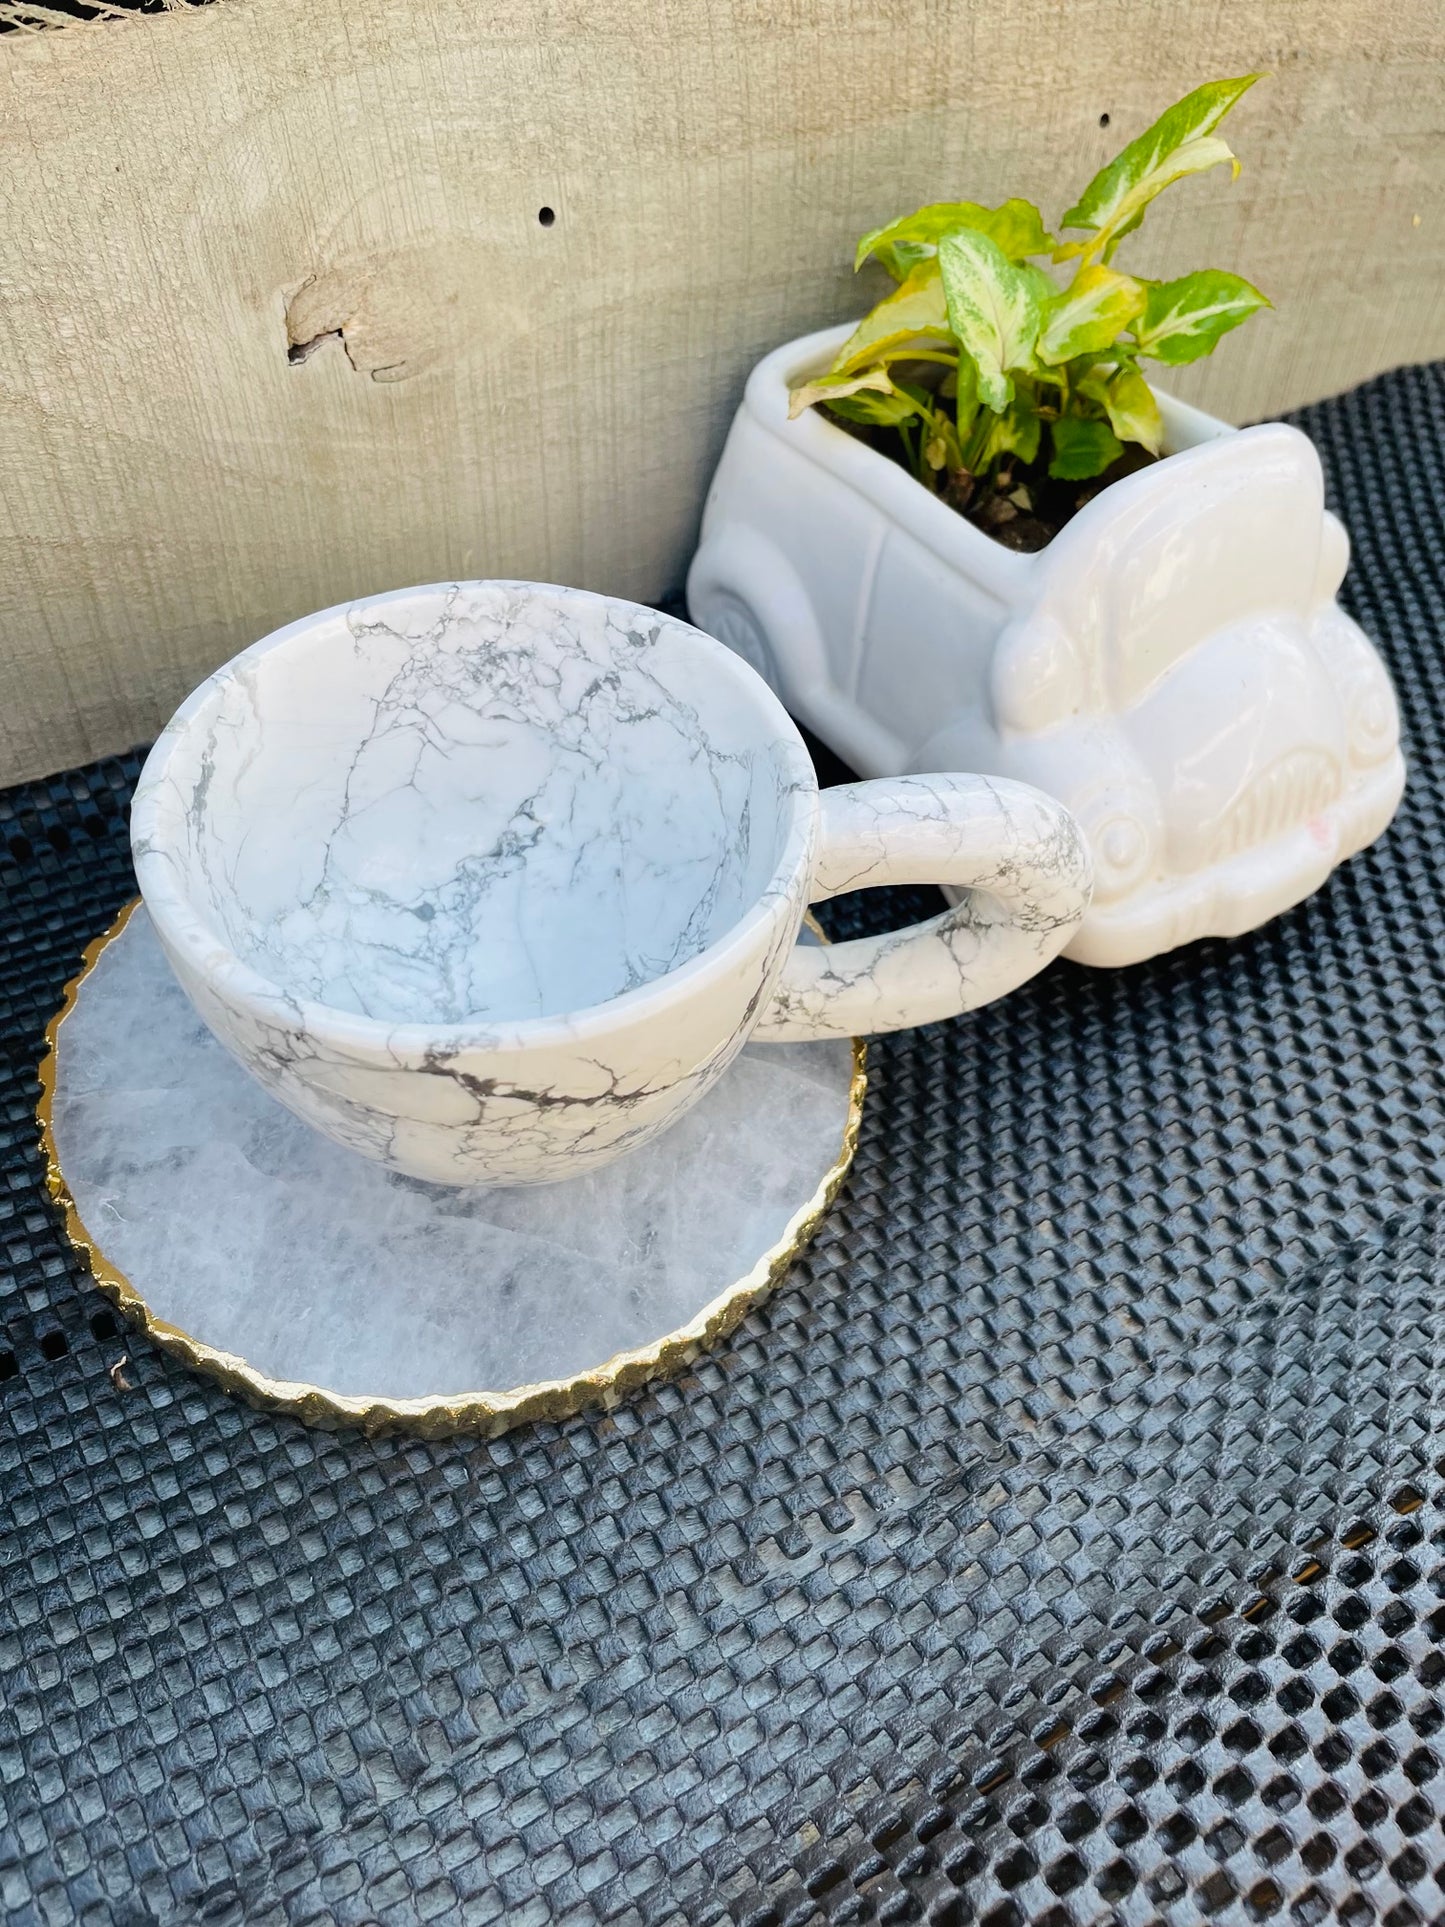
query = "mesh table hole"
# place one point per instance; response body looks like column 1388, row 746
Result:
column 1263, row 1899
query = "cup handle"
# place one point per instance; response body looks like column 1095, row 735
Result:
column 1022, row 858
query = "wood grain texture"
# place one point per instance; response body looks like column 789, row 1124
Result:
column 187, row 196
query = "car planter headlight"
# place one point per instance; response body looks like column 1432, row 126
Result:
column 1122, row 848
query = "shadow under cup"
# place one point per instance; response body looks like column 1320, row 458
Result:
column 481, row 804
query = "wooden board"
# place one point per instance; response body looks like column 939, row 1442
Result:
column 188, row 196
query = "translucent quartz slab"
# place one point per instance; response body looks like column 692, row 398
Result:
column 256, row 1235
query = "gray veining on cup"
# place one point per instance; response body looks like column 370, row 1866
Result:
column 490, row 881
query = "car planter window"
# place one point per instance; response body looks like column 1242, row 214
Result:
column 948, row 539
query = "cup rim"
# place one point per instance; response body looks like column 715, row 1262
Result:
column 190, row 933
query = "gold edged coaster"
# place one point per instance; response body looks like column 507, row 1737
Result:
column 486, row 1413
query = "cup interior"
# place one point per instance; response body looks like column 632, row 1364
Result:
column 486, row 802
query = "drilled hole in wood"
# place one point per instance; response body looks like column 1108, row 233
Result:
column 546, row 216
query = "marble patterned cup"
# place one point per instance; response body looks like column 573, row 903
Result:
column 490, row 881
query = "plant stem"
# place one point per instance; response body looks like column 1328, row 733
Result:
column 978, row 440
column 923, row 354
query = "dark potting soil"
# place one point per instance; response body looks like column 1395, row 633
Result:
column 1028, row 506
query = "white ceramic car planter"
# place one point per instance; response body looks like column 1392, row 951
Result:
column 1173, row 666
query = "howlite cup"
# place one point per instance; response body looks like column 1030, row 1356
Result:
column 490, row 881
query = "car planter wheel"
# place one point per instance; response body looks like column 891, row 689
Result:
column 1173, row 666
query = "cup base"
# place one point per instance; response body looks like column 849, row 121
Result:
column 310, row 1280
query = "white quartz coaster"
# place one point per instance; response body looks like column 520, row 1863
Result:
column 255, row 1236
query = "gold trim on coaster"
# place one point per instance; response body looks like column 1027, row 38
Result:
column 485, row 1413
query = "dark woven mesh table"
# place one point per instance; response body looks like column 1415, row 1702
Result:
column 1065, row 1543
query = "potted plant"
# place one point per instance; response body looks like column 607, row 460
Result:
column 969, row 533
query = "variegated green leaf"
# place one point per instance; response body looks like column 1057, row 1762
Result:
column 900, row 258
column 1017, row 227
column 916, row 310
column 1129, row 402
column 994, row 308
column 941, row 449
column 960, row 386
column 1016, row 431
column 1090, row 316
column 871, row 409
column 1180, row 142
column 836, row 388
column 1082, row 448
column 1183, row 319
column 1043, row 284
